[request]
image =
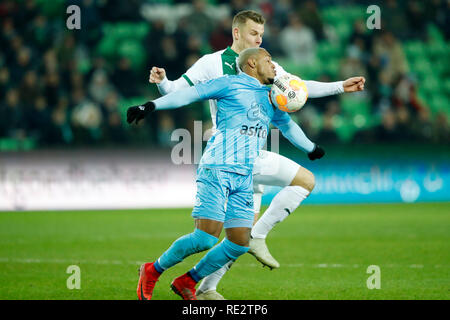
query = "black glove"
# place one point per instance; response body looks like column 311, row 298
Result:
column 317, row 153
column 139, row 112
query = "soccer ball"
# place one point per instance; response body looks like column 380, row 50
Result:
column 289, row 93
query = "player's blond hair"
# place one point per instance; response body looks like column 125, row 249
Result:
column 241, row 18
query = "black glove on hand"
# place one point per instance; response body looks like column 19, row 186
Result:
column 139, row 112
column 317, row 153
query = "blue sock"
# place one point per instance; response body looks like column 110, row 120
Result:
column 184, row 246
column 216, row 258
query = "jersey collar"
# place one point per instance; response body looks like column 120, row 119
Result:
column 253, row 79
column 230, row 52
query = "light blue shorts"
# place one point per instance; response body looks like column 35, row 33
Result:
column 224, row 196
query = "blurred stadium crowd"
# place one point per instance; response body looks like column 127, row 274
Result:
column 61, row 87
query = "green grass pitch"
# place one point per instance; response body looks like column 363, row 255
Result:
column 324, row 253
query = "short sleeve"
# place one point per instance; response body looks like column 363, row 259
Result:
column 214, row 89
column 200, row 71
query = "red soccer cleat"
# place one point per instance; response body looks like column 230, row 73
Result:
column 147, row 280
column 184, row 286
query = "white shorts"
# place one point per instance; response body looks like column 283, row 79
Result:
column 273, row 169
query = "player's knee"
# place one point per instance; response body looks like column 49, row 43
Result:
column 203, row 240
column 305, row 179
column 234, row 250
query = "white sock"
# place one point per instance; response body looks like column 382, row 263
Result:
column 210, row 282
column 257, row 197
column 285, row 202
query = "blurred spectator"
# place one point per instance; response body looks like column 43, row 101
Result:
column 310, row 16
column 352, row 65
column 417, row 21
column 166, row 126
column 328, row 131
column 52, row 88
column 423, row 126
column 62, row 131
column 390, row 52
column 387, row 130
column 12, row 116
column 21, row 65
column 394, row 18
column 125, row 79
column 298, row 41
column 115, row 10
column 199, row 22
column 441, row 130
column 99, row 87
column 282, row 9
column 221, row 37
column 39, row 123
column 405, row 95
column 91, row 31
column 86, row 119
column 4, row 81
column 361, row 40
column 29, row 89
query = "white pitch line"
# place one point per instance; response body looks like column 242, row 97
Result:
column 288, row 265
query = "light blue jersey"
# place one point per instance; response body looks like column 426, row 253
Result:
column 224, row 176
column 244, row 113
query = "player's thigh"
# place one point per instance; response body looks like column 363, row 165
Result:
column 274, row 170
column 304, row 178
column 239, row 212
column 211, row 198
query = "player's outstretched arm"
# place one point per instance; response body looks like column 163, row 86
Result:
column 164, row 85
column 317, row 89
column 170, row 101
column 292, row 131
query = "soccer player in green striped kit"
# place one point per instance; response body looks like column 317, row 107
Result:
column 270, row 168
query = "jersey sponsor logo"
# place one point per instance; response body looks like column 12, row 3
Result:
column 256, row 113
column 254, row 131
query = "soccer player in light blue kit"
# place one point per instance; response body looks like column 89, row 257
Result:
column 224, row 178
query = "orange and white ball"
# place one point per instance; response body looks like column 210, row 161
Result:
column 289, row 93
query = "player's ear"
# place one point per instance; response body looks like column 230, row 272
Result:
column 252, row 62
column 236, row 33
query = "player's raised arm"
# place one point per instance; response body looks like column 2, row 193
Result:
column 170, row 101
column 292, row 131
column 164, row 85
column 212, row 89
column 198, row 72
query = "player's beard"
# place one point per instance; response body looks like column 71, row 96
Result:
column 269, row 81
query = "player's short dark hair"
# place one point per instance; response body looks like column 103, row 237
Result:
column 242, row 16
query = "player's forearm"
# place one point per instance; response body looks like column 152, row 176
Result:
column 318, row 89
column 296, row 136
column 177, row 99
column 167, row 86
